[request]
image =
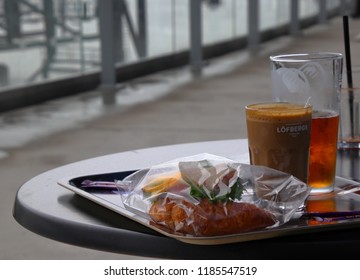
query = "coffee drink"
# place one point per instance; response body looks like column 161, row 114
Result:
column 279, row 136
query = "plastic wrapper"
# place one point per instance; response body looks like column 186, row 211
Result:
column 208, row 195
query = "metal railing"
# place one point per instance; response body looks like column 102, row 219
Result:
column 71, row 46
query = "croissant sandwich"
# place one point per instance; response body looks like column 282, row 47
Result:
column 203, row 200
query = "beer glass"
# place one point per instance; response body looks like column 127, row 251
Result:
column 279, row 136
column 313, row 78
column 349, row 130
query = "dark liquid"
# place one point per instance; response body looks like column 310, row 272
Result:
column 323, row 149
column 279, row 137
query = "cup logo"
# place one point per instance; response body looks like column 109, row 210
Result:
column 300, row 84
column 292, row 129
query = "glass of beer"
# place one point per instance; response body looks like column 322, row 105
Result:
column 279, row 136
column 313, row 78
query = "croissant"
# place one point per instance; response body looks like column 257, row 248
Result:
column 209, row 218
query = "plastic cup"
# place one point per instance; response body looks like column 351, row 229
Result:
column 349, row 130
column 279, row 137
column 313, row 78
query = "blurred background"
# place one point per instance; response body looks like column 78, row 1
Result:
column 67, row 44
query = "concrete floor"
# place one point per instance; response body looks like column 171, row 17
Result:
column 166, row 108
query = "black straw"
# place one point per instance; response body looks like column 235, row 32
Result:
column 348, row 70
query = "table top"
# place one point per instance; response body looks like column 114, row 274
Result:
column 46, row 208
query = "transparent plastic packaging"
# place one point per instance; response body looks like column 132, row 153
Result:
column 209, row 195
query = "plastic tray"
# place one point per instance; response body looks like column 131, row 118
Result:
column 335, row 203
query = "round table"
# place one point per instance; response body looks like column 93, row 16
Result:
column 46, row 208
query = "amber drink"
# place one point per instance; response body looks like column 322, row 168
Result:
column 279, row 137
column 323, row 150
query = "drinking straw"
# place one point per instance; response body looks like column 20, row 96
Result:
column 348, row 71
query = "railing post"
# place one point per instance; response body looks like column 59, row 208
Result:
column 196, row 55
column 12, row 19
column 322, row 12
column 345, row 7
column 142, row 20
column 49, row 19
column 295, row 28
column 108, row 58
column 118, row 33
column 253, row 25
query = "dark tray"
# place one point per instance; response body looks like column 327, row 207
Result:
column 111, row 199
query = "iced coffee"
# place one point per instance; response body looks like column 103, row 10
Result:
column 279, row 136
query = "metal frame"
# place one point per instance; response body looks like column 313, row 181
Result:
column 295, row 28
column 196, row 53
column 253, row 25
column 113, row 15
